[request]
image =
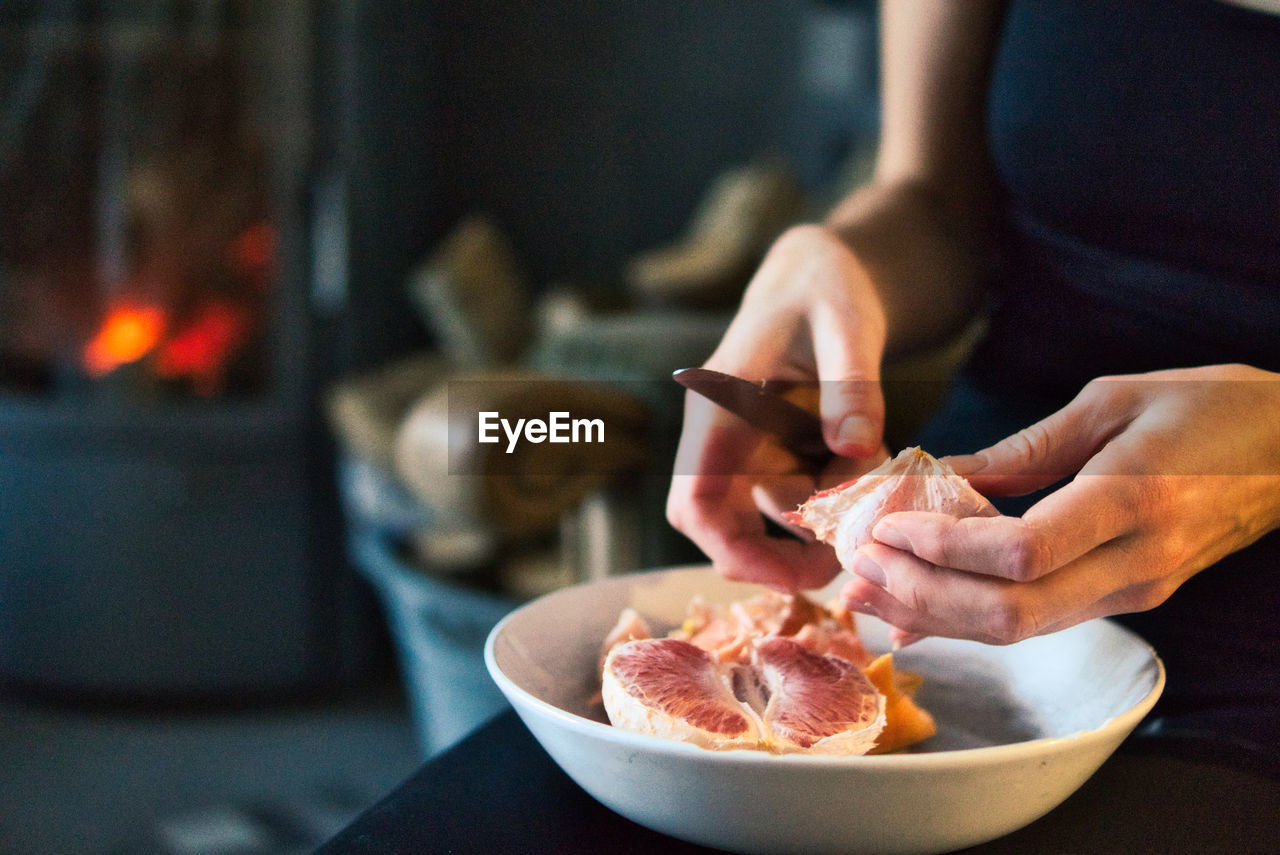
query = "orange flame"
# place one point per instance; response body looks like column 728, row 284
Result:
column 128, row 333
column 200, row 343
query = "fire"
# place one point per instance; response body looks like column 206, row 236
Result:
column 128, row 333
column 201, row 350
column 195, row 337
column 197, row 351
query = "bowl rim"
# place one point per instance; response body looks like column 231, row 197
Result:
column 1118, row 725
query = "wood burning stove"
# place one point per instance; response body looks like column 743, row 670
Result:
column 208, row 209
column 165, row 521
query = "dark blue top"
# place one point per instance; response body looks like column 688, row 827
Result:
column 1149, row 129
column 1138, row 146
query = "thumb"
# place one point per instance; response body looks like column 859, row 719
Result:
column 1044, row 453
column 852, row 416
column 850, row 398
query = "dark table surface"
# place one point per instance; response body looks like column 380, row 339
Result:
column 497, row 791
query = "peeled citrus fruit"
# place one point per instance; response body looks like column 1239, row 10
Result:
column 906, row 722
column 671, row 688
column 783, row 699
column 773, row 672
column 915, row 480
column 817, row 704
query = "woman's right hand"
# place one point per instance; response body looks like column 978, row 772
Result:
column 809, row 314
column 898, row 264
column 820, row 311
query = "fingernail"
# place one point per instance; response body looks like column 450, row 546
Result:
column 967, row 464
column 888, row 535
column 869, row 570
column 857, row 431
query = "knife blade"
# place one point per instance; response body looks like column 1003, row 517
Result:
column 799, row 430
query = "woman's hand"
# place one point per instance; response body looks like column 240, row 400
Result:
column 1172, row 471
column 891, row 270
column 809, row 313
column 899, row 264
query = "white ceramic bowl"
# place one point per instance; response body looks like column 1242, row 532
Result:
column 1020, row 728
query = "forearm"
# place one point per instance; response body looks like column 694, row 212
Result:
column 922, row 227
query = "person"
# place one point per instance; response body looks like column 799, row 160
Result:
column 1100, row 180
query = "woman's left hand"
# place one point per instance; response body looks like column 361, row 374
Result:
column 1172, row 471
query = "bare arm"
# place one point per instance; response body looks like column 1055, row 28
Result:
column 898, row 265
column 921, row 227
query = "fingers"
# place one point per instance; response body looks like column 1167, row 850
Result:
column 717, row 513
column 1124, row 571
column 1002, row 579
column 776, row 498
column 711, row 501
column 744, row 552
column 1050, row 450
column 1057, row 530
column 918, row 598
column 811, row 312
column 1121, row 536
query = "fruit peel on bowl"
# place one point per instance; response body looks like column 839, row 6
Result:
column 1019, row 729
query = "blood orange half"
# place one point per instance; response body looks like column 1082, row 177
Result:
column 784, row 699
column 669, row 687
column 817, row 704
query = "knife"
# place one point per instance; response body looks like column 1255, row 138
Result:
column 799, row 430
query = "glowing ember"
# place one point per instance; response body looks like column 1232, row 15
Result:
column 202, row 349
column 127, row 334
column 199, row 351
column 185, row 321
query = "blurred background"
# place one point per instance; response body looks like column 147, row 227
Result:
column 245, row 251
